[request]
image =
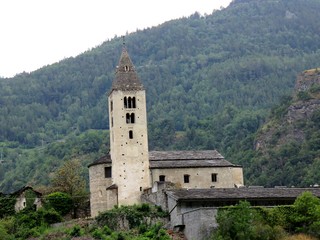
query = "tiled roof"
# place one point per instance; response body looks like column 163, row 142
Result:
column 184, row 159
column 180, row 159
column 219, row 194
column 126, row 78
column 23, row 189
column 102, row 160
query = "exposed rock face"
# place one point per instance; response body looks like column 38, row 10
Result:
column 307, row 79
column 288, row 128
column 302, row 110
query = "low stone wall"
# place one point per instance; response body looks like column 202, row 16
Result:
column 199, row 223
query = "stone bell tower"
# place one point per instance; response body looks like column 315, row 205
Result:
column 128, row 133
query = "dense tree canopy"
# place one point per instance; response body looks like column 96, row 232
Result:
column 210, row 82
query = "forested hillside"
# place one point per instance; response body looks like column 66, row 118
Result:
column 210, row 83
column 287, row 147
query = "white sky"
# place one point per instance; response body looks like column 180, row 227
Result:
column 34, row 33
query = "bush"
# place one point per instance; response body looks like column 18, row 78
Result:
column 76, row 231
column 304, row 96
column 4, row 234
column 61, row 202
column 51, row 216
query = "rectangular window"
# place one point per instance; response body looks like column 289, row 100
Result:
column 162, row 178
column 107, row 172
column 186, row 178
column 214, row 177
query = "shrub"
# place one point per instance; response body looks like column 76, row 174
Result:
column 51, row 216
column 61, row 202
column 144, row 207
column 76, row 231
column 4, row 234
column 97, row 234
column 304, row 96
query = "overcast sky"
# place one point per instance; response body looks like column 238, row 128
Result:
column 35, row 33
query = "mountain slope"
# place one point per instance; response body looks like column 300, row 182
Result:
column 288, row 145
column 210, row 82
column 245, row 55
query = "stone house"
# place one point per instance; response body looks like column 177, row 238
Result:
column 21, row 196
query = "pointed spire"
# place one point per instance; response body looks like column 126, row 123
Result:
column 126, row 77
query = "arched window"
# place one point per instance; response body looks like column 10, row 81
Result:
column 130, row 118
column 129, row 102
column 125, row 102
column 130, row 134
column 133, row 102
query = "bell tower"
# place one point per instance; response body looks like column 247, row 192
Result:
column 128, row 133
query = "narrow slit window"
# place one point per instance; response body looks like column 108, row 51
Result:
column 111, row 106
column 130, row 134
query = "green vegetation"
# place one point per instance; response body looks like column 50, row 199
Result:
column 210, row 80
column 36, row 224
column 136, row 215
column 289, row 145
column 145, row 222
column 247, row 223
column 60, row 202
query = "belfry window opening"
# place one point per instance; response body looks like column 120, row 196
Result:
column 130, row 118
column 129, row 102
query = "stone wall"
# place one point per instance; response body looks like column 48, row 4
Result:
column 99, row 197
column 129, row 146
column 227, row 177
column 200, row 223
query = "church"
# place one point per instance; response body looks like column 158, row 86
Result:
column 129, row 170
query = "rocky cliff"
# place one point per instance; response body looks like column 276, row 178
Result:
column 288, row 145
column 287, row 123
